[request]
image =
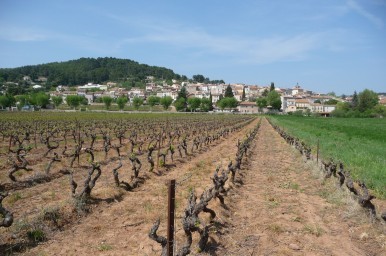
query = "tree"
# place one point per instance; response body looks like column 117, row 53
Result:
column 272, row 88
column 194, row 103
column 198, row 78
column 21, row 100
column 13, row 89
column 228, row 92
column 39, row 99
column 343, row 106
column 166, row 102
column 380, row 110
column 221, row 104
column 152, row 100
column 182, row 99
column 265, row 92
column 4, row 101
column 121, row 102
column 137, row 102
column 243, row 95
column 206, row 105
column 74, row 100
column 228, row 102
column 331, row 102
column 261, row 103
column 211, row 102
column 273, row 100
column 367, row 100
column 107, row 100
column 182, row 93
column 318, row 101
column 355, row 100
column 231, row 102
column 57, row 100
column 180, row 104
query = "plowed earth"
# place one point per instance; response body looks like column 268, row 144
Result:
column 279, row 205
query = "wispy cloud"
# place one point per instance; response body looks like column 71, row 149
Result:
column 88, row 42
column 241, row 49
column 21, row 34
column 366, row 14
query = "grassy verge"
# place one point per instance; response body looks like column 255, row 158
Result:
column 359, row 143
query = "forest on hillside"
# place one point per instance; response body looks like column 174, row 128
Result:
column 85, row 70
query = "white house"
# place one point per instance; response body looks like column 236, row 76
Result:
column 36, row 86
column 246, row 107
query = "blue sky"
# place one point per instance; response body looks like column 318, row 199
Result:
column 328, row 45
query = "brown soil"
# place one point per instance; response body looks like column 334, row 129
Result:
column 280, row 206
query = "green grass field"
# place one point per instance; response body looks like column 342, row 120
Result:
column 359, row 143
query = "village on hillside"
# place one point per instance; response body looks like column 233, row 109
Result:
column 292, row 99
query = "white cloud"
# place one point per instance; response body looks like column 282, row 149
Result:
column 21, row 34
column 241, row 49
column 364, row 13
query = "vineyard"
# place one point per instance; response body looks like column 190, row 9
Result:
column 74, row 184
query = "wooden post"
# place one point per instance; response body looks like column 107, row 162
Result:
column 317, row 152
column 171, row 209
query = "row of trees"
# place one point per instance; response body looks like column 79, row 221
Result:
column 182, row 103
column 39, row 99
column 364, row 104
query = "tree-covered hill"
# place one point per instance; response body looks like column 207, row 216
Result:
column 85, row 70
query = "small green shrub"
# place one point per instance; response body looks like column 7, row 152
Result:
column 36, row 235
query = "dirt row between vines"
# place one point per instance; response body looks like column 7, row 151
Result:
column 121, row 227
column 286, row 208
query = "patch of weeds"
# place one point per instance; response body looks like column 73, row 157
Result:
column 314, row 230
column 51, row 215
column 53, row 195
column 216, row 227
column 275, row 228
column 21, row 225
column 290, row 185
column 12, row 199
column 297, row 219
column 80, row 205
column 272, row 202
column 331, row 197
column 19, row 173
column 334, row 198
column 294, row 186
column 148, row 207
column 177, row 204
column 190, row 189
column 323, row 193
column 200, row 164
column 105, row 247
column 36, row 235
